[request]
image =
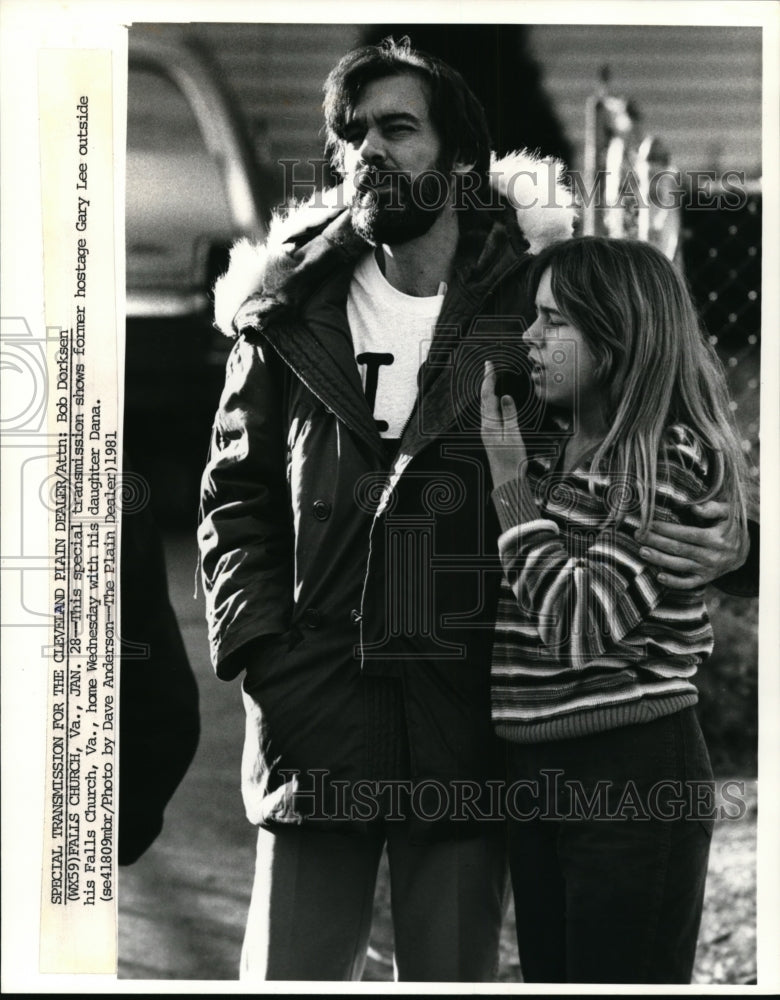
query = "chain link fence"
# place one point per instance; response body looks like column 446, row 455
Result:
column 721, row 255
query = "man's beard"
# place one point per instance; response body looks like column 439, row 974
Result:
column 400, row 211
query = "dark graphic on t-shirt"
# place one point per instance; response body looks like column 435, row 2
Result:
column 373, row 362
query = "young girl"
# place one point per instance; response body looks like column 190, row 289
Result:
column 609, row 785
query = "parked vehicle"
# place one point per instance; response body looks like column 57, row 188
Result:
column 193, row 187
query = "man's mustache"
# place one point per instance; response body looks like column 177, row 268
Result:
column 375, row 179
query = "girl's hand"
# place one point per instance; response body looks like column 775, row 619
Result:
column 500, row 432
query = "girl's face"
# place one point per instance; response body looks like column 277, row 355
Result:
column 563, row 366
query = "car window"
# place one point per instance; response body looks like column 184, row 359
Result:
column 176, row 204
column 158, row 115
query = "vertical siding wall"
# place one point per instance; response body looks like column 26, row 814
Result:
column 276, row 71
column 698, row 88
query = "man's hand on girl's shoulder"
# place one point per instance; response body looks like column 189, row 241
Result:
column 691, row 556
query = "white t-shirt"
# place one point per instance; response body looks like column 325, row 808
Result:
column 391, row 334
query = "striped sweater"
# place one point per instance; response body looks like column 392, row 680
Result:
column 587, row 639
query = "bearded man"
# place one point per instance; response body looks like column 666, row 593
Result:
column 348, row 547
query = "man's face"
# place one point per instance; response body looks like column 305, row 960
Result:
column 390, row 153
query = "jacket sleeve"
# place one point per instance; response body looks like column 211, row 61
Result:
column 743, row 582
column 580, row 608
column 245, row 523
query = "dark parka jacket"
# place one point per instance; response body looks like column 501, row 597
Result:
column 323, row 561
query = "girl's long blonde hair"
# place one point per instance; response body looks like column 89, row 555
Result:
column 654, row 365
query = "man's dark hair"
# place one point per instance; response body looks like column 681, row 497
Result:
column 456, row 114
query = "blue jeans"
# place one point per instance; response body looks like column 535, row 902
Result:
column 608, row 878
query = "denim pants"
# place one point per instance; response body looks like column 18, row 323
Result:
column 609, row 838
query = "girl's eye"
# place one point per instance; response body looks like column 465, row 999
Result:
column 547, row 320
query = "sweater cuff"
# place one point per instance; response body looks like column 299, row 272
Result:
column 515, row 504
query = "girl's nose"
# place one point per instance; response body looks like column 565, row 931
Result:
column 532, row 333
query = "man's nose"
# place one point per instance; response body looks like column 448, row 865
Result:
column 372, row 151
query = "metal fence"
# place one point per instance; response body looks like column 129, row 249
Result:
column 721, row 254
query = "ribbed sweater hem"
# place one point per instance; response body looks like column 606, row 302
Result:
column 594, row 720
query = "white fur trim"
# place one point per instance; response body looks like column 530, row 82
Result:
column 242, row 278
column 530, row 184
column 249, row 261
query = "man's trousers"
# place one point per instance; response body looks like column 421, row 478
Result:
column 312, row 901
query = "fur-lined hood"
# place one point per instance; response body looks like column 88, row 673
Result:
column 532, row 186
